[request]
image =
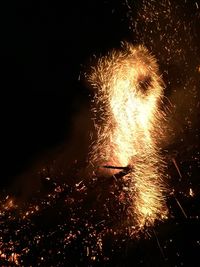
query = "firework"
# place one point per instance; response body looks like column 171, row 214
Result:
column 128, row 91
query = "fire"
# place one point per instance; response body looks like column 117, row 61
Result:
column 128, row 91
column 8, row 204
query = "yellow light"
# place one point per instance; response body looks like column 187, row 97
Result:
column 128, row 91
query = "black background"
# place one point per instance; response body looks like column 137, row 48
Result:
column 43, row 46
column 43, row 49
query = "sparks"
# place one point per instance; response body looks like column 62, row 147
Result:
column 128, row 92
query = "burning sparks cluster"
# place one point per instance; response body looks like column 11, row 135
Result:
column 83, row 221
column 128, row 92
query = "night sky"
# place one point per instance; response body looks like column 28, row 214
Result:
column 45, row 50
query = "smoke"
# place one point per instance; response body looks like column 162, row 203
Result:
column 64, row 162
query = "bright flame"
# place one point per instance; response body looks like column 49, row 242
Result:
column 128, row 92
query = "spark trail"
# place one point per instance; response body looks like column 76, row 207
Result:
column 128, row 91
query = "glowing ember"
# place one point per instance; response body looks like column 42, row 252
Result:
column 8, row 204
column 75, row 221
column 128, row 92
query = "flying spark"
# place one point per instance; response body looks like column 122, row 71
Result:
column 128, row 91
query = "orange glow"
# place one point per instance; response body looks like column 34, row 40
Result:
column 128, row 91
column 9, row 204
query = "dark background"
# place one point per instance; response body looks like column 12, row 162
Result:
column 44, row 50
column 43, row 46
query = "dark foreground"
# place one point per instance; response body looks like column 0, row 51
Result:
column 81, row 223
